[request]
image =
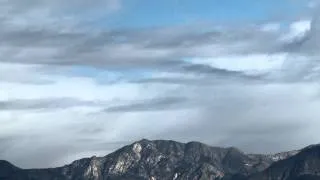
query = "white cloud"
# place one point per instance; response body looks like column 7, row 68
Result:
column 297, row 30
column 251, row 63
column 300, row 27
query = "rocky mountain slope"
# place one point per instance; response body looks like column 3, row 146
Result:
column 303, row 166
column 170, row 160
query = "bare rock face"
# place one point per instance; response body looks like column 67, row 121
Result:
column 305, row 165
column 283, row 155
column 170, row 160
column 94, row 169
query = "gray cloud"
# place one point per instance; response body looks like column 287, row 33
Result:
column 150, row 48
column 308, row 44
column 133, row 48
column 159, row 104
column 46, row 104
column 250, row 118
column 54, row 11
column 6, row 143
column 103, row 49
column 220, row 73
column 207, row 76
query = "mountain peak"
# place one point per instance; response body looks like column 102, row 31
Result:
column 170, row 160
column 312, row 147
column 144, row 141
column 3, row 162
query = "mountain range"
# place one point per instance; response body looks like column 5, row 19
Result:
column 171, row 160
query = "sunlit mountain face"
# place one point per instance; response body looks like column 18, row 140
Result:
column 82, row 78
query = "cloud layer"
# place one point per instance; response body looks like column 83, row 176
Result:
column 69, row 91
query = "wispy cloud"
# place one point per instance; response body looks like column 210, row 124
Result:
column 44, row 104
column 158, row 104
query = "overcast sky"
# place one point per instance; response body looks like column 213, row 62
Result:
column 84, row 78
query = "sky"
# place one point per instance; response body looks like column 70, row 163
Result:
column 84, row 78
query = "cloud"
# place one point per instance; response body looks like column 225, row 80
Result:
column 136, row 48
column 271, row 27
column 51, row 14
column 298, row 30
column 150, row 105
column 71, row 89
column 45, row 104
column 313, row 4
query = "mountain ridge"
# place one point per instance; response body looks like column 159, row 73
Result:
column 162, row 159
